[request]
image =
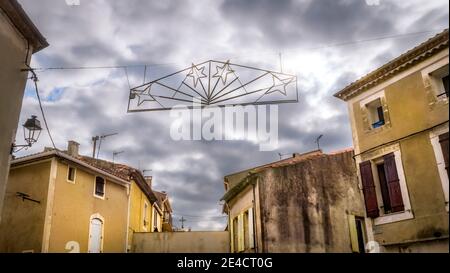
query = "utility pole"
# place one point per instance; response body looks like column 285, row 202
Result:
column 182, row 220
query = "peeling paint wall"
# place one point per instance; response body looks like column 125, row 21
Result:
column 304, row 207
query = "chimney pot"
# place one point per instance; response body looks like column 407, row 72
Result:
column 72, row 148
column 148, row 179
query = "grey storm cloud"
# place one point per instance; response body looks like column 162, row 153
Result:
column 172, row 34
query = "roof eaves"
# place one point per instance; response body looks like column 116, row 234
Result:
column 395, row 66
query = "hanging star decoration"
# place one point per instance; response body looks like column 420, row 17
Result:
column 223, row 71
column 279, row 85
column 142, row 95
column 196, row 74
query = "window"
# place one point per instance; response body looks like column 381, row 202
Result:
column 439, row 142
column 155, row 220
column 235, row 234
column 242, row 232
column 384, row 188
column 99, row 187
column 439, row 79
column 445, row 84
column 357, row 233
column 443, row 141
column 376, row 113
column 71, row 174
column 246, row 231
column 145, row 219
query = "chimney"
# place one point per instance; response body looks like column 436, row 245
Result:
column 72, row 148
column 148, row 179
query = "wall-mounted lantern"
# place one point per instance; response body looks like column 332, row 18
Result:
column 31, row 132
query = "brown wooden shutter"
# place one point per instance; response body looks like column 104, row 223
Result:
column 395, row 193
column 370, row 196
column 443, row 139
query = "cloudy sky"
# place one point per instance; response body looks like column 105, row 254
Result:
column 326, row 43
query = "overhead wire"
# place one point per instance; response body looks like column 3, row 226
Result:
column 396, row 36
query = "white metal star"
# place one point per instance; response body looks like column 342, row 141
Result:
column 223, row 71
column 277, row 82
column 143, row 95
column 196, row 74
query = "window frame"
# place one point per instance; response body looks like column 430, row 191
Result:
column 366, row 115
column 95, row 187
column 434, row 139
column 432, row 78
column 145, row 223
column 374, row 158
column 74, row 174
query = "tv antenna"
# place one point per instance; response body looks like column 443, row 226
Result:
column 116, row 154
column 281, row 155
column 318, row 141
column 99, row 139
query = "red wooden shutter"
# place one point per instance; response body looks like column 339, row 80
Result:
column 443, row 139
column 370, row 196
column 395, row 193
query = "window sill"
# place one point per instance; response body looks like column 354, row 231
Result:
column 99, row 196
column 394, row 217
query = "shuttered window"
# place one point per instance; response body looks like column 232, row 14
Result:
column 393, row 182
column 251, row 238
column 443, row 140
column 370, row 196
column 241, row 246
column 99, row 186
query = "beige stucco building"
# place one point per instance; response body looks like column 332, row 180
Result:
column 307, row 203
column 399, row 118
column 19, row 39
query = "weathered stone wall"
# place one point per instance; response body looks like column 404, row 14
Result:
column 305, row 206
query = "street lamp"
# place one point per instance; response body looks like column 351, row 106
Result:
column 31, row 132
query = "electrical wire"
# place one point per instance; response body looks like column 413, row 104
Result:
column 35, row 79
column 396, row 36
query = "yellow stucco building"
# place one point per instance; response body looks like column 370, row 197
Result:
column 399, row 118
column 56, row 202
column 60, row 201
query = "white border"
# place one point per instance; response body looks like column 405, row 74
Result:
column 434, row 139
